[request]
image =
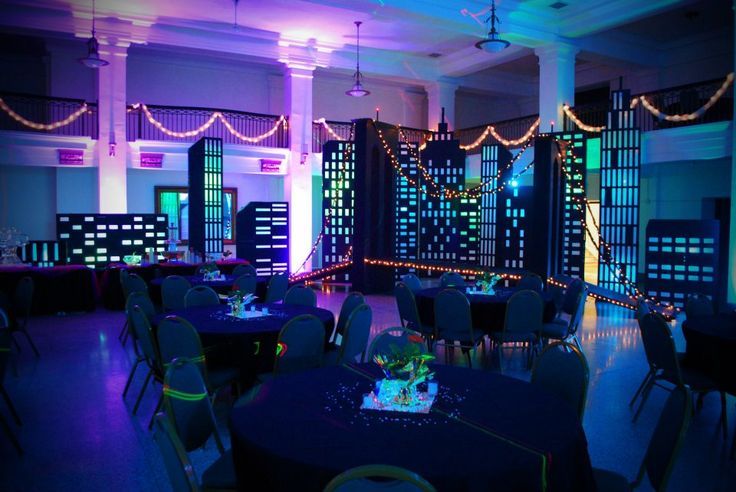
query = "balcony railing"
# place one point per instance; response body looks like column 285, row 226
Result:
column 676, row 100
column 47, row 111
column 320, row 134
column 183, row 119
column 509, row 129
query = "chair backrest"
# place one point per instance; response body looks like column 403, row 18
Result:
column 301, row 295
column 141, row 327
column 524, row 311
column 577, row 318
column 659, row 345
column 178, row 466
column 452, row 319
column 177, row 338
column 246, row 283
column 412, row 281
column 302, row 344
column 173, row 290
column 277, row 286
column 244, row 270
column 530, row 281
column 201, row 295
column 562, row 369
column 134, row 283
column 642, row 308
column 398, row 336
column 188, row 405
column 5, row 341
column 698, row 305
column 356, row 334
column 23, row 298
column 555, row 286
column 407, row 304
column 359, row 479
column 665, row 444
column 570, row 299
column 352, row 301
column 452, row 279
column 141, row 299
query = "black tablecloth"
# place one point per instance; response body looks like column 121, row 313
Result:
column 221, row 286
column 488, row 312
column 112, row 293
column 56, row 289
column 711, row 347
column 246, row 343
column 301, row 430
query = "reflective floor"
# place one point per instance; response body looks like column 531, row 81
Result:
column 79, row 434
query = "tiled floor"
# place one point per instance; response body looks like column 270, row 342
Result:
column 79, row 433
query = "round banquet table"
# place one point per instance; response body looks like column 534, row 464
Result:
column 487, row 311
column 711, row 347
column 246, row 343
column 222, row 285
column 484, row 432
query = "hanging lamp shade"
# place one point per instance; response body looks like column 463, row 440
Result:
column 93, row 60
column 493, row 42
column 357, row 90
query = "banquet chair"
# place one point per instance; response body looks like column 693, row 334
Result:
column 178, row 466
column 301, row 295
column 22, row 302
column 453, row 323
column 244, row 270
column 451, row 279
column 412, row 281
column 657, row 335
column 352, row 301
column 201, row 295
column 5, row 341
column 130, row 282
column 698, row 305
column 555, row 287
column 530, row 281
column 139, row 323
column 570, row 297
column 522, row 323
column 177, row 338
column 355, row 337
column 359, row 478
column 246, row 283
column 643, row 307
column 396, row 336
column 141, row 300
column 409, row 312
column 662, row 451
column 189, row 410
column 559, row 329
column 277, row 286
column 561, row 369
column 173, row 290
column 300, row 345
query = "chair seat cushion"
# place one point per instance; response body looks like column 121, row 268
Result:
column 554, row 330
column 220, row 474
column 608, row 481
column 697, row 380
column 221, row 377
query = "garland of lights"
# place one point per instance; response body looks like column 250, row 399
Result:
column 326, row 271
column 212, row 119
column 44, row 126
column 329, row 129
column 419, row 266
column 593, row 129
column 491, row 130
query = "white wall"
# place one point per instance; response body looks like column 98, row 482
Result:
column 28, row 200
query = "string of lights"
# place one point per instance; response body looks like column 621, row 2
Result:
column 321, row 272
column 588, row 128
column 439, row 268
column 44, row 126
column 491, row 130
column 216, row 115
column 329, row 129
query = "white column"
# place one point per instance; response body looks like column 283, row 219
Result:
column 298, row 105
column 440, row 95
column 112, row 148
column 556, row 82
column 731, row 297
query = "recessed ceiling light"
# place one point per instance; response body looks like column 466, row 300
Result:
column 434, row 55
column 558, row 5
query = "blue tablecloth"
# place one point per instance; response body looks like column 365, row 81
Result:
column 487, row 312
column 711, row 347
column 484, row 432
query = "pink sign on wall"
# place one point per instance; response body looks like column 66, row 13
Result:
column 71, row 157
column 270, row 166
column 152, row 160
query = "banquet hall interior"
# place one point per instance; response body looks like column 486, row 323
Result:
column 307, row 245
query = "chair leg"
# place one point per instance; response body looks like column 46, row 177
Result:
column 123, row 330
column 641, row 387
column 724, row 416
column 733, row 445
column 143, row 390
column 9, row 402
column 467, row 356
column 699, row 404
column 158, row 407
column 30, row 341
column 499, row 351
column 644, row 398
column 130, row 376
column 11, row 436
column 15, row 342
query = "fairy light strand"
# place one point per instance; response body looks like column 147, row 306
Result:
column 491, row 130
column 44, row 126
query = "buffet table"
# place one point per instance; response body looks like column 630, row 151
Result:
column 69, row 288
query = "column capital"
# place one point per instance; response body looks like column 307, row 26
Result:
column 441, row 85
column 553, row 51
column 300, row 72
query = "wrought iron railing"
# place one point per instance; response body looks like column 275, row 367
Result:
column 676, row 100
column 48, row 110
column 511, row 129
column 320, row 133
column 185, row 119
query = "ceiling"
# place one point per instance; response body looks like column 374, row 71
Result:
column 397, row 36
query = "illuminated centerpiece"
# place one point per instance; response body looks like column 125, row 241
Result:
column 406, row 372
column 487, row 282
column 210, row 272
column 238, row 302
